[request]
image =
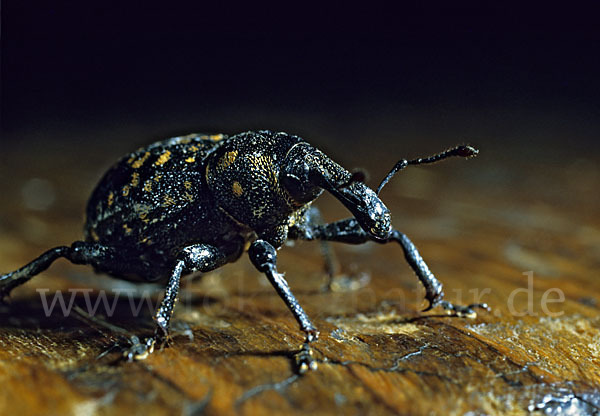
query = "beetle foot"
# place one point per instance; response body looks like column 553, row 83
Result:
column 434, row 298
column 305, row 360
column 463, row 311
column 139, row 350
column 162, row 337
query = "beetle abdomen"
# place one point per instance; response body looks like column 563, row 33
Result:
column 148, row 190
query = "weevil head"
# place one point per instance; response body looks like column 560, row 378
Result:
column 306, row 170
column 246, row 176
column 260, row 179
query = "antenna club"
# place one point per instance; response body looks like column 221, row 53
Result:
column 466, row 151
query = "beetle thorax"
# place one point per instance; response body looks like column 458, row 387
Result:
column 244, row 177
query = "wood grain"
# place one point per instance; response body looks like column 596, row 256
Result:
column 485, row 226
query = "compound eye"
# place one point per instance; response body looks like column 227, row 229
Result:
column 293, row 185
column 300, row 190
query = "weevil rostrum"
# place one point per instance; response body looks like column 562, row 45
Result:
column 193, row 203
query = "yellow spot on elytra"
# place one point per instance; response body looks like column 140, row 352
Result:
column 111, row 199
column 130, row 160
column 135, row 179
column 157, row 178
column 142, row 211
column 126, row 190
column 162, row 159
column 216, row 137
column 94, row 235
column 260, row 211
column 190, row 159
column 188, row 185
column 168, row 200
column 228, row 158
column 194, row 148
column 186, row 139
column 148, row 186
column 189, row 197
column 138, row 163
column 237, row 189
column 127, row 229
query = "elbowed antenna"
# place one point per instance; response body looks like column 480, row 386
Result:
column 462, row 151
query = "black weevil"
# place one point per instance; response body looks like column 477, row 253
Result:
column 196, row 202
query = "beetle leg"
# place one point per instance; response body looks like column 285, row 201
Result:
column 79, row 252
column 433, row 287
column 349, row 231
column 16, row 278
column 264, row 257
column 331, row 264
column 311, row 218
column 194, row 258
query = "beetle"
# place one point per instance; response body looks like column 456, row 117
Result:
column 193, row 203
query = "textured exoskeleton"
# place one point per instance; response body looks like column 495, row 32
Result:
column 196, row 202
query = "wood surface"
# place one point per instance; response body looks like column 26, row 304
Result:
column 518, row 225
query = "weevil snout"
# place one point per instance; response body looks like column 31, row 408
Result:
column 308, row 171
column 381, row 220
column 371, row 213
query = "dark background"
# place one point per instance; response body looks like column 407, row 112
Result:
column 202, row 65
column 379, row 79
